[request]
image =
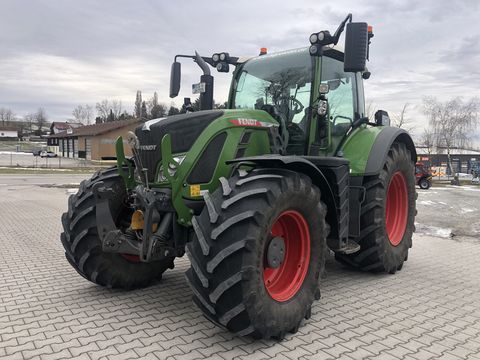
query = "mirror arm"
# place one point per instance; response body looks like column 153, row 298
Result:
column 201, row 62
column 340, row 29
column 232, row 61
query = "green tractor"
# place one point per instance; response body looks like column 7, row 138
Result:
column 257, row 194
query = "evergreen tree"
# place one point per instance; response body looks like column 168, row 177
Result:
column 143, row 111
column 196, row 104
column 138, row 105
column 158, row 111
column 173, row 110
column 111, row 117
column 125, row 116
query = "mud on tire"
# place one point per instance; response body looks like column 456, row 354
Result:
column 83, row 248
column 378, row 252
column 228, row 252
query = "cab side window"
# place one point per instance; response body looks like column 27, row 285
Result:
column 341, row 96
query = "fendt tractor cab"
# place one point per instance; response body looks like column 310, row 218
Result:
column 256, row 194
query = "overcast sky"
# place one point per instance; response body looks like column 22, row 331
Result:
column 58, row 54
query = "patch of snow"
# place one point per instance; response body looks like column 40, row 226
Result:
column 433, row 230
column 427, row 202
column 443, row 203
column 470, row 188
column 15, row 153
column 467, row 210
column 35, row 169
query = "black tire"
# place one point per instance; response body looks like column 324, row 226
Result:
column 377, row 253
column 227, row 253
column 83, row 248
column 424, row 184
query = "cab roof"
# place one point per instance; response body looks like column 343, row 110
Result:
column 336, row 51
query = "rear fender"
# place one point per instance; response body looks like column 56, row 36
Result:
column 367, row 148
column 381, row 146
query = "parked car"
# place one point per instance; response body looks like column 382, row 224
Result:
column 423, row 177
column 47, row 154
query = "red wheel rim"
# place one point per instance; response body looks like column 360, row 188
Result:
column 285, row 281
column 396, row 210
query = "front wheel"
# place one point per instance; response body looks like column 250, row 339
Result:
column 83, row 247
column 387, row 216
column 258, row 253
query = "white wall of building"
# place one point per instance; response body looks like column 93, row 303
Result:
column 8, row 134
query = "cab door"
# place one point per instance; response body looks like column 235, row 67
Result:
column 345, row 104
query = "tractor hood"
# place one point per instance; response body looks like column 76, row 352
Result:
column 184, row 129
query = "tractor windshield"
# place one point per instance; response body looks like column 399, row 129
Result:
column 282, row 79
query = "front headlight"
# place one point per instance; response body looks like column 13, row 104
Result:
column 172, row 169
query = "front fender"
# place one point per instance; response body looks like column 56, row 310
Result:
column 337, row 211
column 294, row 163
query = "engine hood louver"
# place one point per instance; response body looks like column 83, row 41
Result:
column 184, row 130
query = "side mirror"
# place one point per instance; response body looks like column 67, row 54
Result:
column 366, row 75
column 356, row 47
column 382, row 118
column 175, row 76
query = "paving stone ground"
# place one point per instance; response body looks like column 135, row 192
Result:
column 429, row 310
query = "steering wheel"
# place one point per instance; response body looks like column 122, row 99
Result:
column 341, row 117
column 297, row 106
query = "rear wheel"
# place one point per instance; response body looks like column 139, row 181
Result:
column 424, row 184
column 258, row 253
column 83, row 247
column 387, row 216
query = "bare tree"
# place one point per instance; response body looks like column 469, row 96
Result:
column 116, row 107
column 453, row 122
column 103, row 110
column 6, row 116
column 83, row 114
column 401, row 120
column 371, row 110
column 105, row 107
column 223, row 105
column 29, row 120
column 427, row 140
column 40, row 119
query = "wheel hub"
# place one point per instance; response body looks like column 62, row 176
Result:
column 276, row 252
column 283, row 274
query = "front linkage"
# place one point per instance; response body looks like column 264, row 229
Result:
column 154, row 233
